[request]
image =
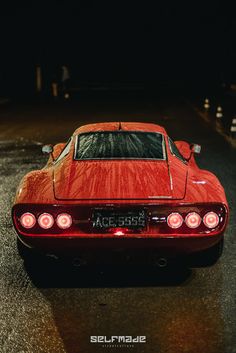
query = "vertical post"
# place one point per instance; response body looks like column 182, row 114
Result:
column 206, row 104
column 38, row 79
column 219, row 112
column 233, row 128
column 54, row 90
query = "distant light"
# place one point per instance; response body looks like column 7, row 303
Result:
column 219, row 112
column 206, row 104
column 66, row 96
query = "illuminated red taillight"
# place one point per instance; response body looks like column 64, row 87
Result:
column 193, row 220
column 46, row 220
column 175, row 220
column 27, row 220
column 211, row 220
column 64, row 220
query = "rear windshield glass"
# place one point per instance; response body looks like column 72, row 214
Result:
column 120, row 145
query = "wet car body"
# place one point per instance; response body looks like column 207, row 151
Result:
column 95, row 198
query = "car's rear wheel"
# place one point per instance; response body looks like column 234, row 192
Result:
column 207, row 257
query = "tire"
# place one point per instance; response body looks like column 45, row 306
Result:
column 207, row 257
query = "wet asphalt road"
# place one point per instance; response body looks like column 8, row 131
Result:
column 57, row 309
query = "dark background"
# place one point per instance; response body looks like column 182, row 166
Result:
column 176, row 44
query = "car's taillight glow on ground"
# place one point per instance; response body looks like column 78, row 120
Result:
column 64, row 220
column 211, row 220
column 46, row 220
column 175, row 220
column 28, row 220
column 193, row 220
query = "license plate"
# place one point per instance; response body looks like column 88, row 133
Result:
column 103, row 219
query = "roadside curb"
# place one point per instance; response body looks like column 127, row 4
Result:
column 216, row 125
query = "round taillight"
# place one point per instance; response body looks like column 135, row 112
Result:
column 64, row 220
column 46, row 220
column 211, row 220
column 193, row 220
column 175, row 220
column 27, row 220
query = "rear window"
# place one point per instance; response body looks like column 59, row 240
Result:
column 120, row 145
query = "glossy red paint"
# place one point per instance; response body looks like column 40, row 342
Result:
column 113, row 179
column 159, row 187
column 126, row 126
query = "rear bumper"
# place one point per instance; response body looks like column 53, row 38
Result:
column 158, row 238
column 166, row 246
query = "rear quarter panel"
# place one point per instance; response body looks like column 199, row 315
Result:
column 36, row 187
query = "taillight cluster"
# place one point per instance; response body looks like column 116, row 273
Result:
column 193, row 220
column 46, row 220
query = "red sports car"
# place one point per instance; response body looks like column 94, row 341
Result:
column 122, row 190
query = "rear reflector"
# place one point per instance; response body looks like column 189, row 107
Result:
column 27, row 220
column 64, row 220
column 174, row 220
column 46, row 220
column 211, row 220
column 193, row 220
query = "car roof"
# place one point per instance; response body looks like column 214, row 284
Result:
column 124, row 126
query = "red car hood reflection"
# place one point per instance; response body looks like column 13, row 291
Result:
column 117, row 180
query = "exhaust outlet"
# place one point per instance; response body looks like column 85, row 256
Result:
column 162, row 262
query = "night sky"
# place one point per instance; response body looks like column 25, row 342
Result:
column 176, row 42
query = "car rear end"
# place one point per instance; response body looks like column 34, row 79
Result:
column 121, row 192
column 96, row 232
